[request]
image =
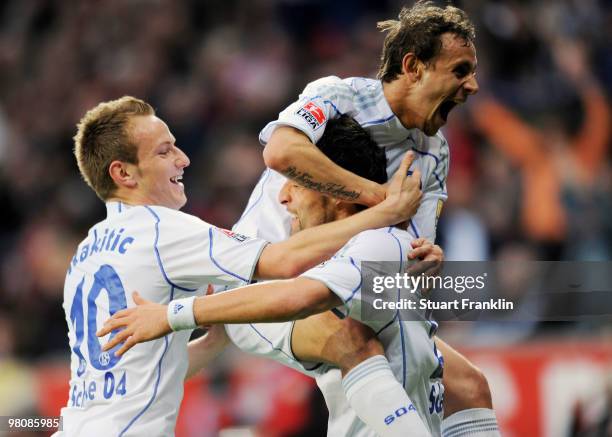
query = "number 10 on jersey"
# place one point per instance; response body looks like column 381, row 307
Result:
column 83, row 314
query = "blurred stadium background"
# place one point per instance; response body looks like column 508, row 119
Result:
column 530, row 178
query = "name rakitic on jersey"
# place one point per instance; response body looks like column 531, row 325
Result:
column 110, row 241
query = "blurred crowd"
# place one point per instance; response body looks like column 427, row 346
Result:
column 530, row 175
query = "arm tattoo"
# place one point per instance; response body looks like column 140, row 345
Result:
column 305, row 179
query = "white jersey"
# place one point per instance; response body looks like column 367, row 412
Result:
column 409, row 346
column 362, row 99
column 164, row 254
column 266, row 218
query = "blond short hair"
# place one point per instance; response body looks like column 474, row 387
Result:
column 103, row 137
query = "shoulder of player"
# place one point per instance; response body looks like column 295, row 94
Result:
column 328, row 81
column 331, row 87
column 373, row 245
column 164, row 217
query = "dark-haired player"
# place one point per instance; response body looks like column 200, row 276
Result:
column 427, row 68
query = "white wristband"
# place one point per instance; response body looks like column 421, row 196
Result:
column 180, row 314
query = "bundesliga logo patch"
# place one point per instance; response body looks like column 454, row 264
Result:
column 238, row 237
column 313, row 115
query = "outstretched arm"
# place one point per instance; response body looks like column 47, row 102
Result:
column 505, row 130
column 591, row 142
column 291, row 153
column 268, row 302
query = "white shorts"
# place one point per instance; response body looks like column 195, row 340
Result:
column 270, row 340
column 273, row 341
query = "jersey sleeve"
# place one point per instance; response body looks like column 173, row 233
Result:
column 321, row 100
column 264, row 216
column 425, row 221
column 342, row 273
column 193, row 253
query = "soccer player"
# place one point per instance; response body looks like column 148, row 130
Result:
column 427, row 68
column 391, row 410
column 128, row 156
column 349, row 346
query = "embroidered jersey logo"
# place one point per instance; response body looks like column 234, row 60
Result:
column 104, row 358
column 399, row 413
column 238, row 237
column 313, row 115
column 177, row 308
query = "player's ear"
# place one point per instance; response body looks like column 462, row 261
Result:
column 341, row 205
column 412, row 67
column 122, row 173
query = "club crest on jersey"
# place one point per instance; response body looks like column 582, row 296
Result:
column 104, row 358
column 313, row 115
column 238, row 237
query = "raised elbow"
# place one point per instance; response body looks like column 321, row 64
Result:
column 285, row 148
column 276, row 156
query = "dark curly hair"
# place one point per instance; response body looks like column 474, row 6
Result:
column 418, row 31
column 350, row 146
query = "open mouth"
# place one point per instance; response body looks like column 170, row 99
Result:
column 177, row 180
column 446, row 107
